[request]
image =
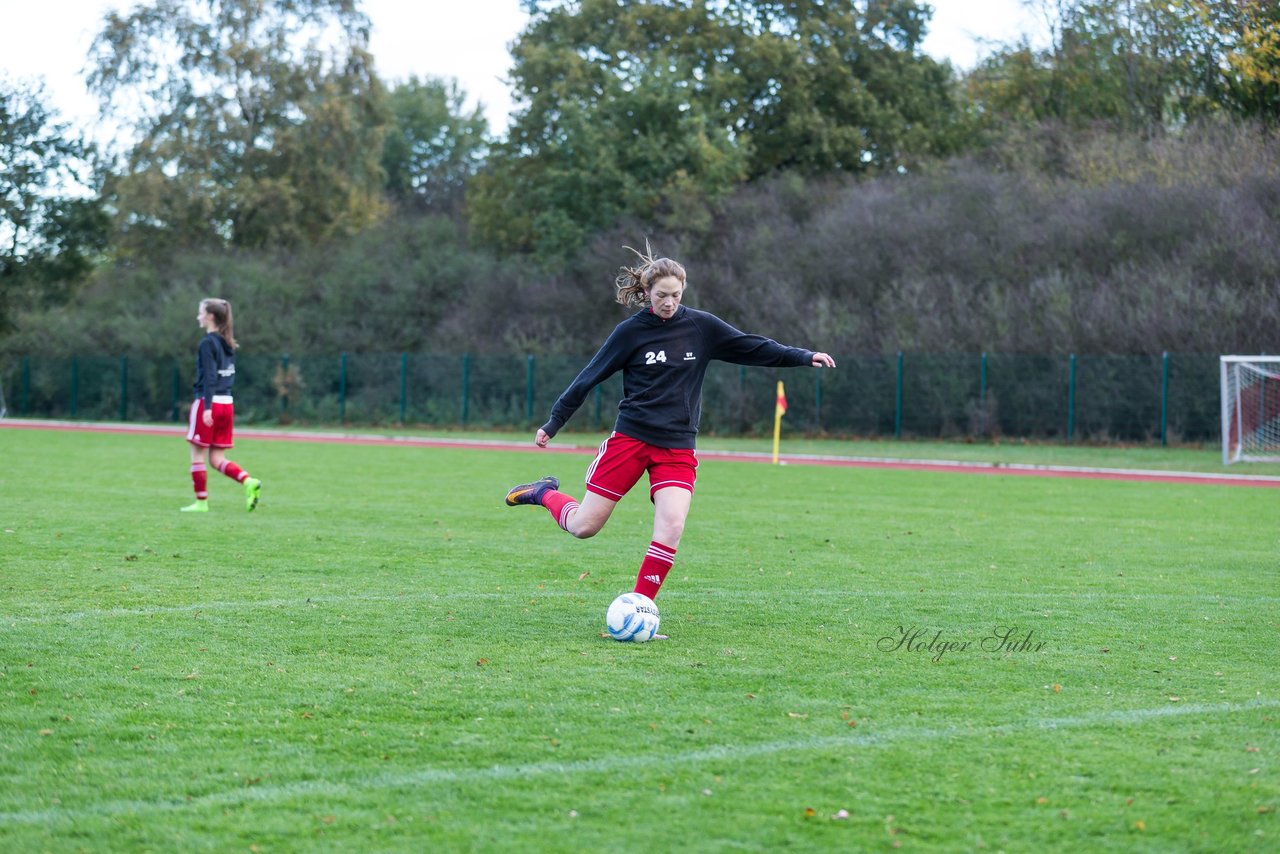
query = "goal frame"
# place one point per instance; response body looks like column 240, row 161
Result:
column 1232, row 443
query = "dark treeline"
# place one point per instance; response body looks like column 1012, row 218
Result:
column 1136, row 247
column 1047, row 202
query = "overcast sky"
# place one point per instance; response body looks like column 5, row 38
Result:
column 462, row 39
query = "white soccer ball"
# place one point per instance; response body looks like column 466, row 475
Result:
column 632, row 617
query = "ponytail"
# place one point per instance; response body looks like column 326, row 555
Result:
column 220, row 311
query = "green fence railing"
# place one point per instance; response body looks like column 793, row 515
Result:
column 1070, row 398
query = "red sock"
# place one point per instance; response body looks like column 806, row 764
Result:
column 200, row 479
column 653, row 570
column 233, row 471
column 559, row 506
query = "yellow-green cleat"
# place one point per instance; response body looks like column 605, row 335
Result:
column 252, row 491
column 200, row 506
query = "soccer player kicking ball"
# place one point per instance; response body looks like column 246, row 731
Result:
column 212, row 419
column 663, row 351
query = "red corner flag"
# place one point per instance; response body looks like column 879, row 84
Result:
column 782, row 400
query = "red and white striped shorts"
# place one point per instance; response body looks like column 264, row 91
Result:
column 622, row 460
column 224, row 419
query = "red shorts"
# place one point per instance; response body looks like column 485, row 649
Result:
column 622, row 459
column 224, row 419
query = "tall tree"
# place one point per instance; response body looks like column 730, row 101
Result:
column 258, row 123
column 656, row 109
column 1241, row 56
column 433, row 145
column 835, row 86
column 612, row 126
column 52, row 228
column 1138, row 64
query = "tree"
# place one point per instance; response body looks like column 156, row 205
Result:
column 611, row 127
column 258, row 123
column 1240, row 56
column 1123, row 62
column 835, row 86
column 1138, row 64
column 655, row 110
column 51, row 227
column 433, row 146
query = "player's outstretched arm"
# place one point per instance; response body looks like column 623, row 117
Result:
column 822, row 360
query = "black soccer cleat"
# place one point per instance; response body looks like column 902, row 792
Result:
column 531, row 493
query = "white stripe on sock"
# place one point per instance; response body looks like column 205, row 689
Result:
column 564, row 514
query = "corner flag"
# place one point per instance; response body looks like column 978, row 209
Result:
column 779, row 408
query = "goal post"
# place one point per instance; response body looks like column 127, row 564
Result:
column 1250, row 408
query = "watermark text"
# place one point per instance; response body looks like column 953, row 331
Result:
column 936, row 643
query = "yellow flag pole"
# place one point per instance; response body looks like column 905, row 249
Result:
column 779, row 408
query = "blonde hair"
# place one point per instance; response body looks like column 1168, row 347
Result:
column 633, row 283
column 220, row 311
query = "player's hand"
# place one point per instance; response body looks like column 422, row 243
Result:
column 207, row 418
column 822, row 360
column 542, row 438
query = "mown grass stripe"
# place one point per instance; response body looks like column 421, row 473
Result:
column 611, row 764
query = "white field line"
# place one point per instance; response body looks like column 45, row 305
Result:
column 754, row 456
column 609, row 765
column 832, row 598
column 961, row 465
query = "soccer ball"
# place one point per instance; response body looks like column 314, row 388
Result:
column 632, row 617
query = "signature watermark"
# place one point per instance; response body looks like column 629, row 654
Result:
column 1006, row 639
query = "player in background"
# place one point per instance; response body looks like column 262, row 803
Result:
column 212, row 417
column 663, row 351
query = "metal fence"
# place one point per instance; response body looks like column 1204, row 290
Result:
column 1159, row 398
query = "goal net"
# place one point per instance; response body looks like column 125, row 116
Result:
column 1250, row 408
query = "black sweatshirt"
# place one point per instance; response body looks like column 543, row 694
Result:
column 215, row 368
column 663, row 363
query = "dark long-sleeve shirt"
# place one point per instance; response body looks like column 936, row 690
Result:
column 215, row 368
column 663, row 363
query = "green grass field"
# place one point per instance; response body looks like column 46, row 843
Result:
column 1199, row 458
column 384, row 657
